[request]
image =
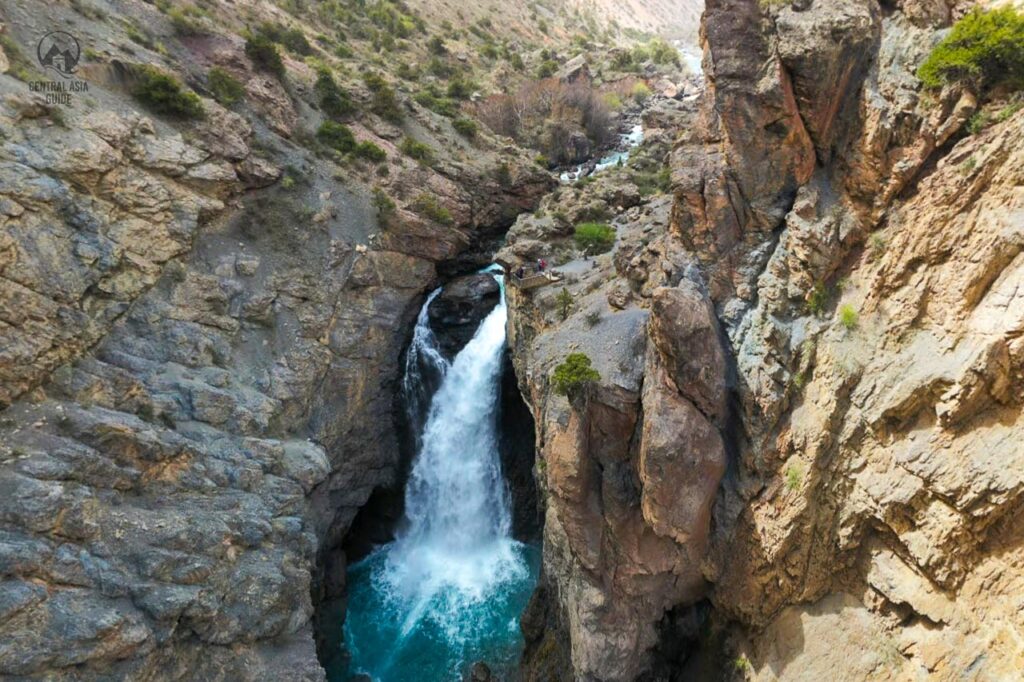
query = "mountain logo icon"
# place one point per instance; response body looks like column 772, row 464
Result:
column 60, row 51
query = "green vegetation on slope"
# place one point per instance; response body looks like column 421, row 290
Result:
column 573, row 375
column 985, row 49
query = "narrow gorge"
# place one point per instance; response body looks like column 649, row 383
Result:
column 399, row 341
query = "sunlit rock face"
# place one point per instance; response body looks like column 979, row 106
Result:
column 859, row 368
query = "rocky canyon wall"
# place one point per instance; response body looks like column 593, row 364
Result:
column 827, row 309
column 200, row 332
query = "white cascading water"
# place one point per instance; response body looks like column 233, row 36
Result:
column 446, row 582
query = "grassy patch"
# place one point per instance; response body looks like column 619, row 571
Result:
column 427, row 206
column 848, row 317
column 794, row 476
column 415, row 149
column 20, row 66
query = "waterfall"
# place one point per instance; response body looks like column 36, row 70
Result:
column 448, row 590
column 425, row 367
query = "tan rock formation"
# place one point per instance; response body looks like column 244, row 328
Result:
column 862, row 259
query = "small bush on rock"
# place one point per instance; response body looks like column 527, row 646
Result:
column 564, row 303
column 594, row 238
column 384, row 204
column 420, row 151
column 163, row 93
column 384, row 102
column 848, row 317
column 336, row 136
column 465, row 127
column 334, row 101
column 264, row 55
column 547, row 68
column 224, row 87
column 984, row 49
column 572, row 376
column 426, row 205
column 370, row 152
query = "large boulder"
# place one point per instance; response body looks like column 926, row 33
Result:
column 460, row 308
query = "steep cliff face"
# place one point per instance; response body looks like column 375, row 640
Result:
column 629, row 471
column 834, row 308
column 201, row 327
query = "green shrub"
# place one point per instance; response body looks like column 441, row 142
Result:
column 336, row 136
column 334, row 101
column 384, row 204
column 653, row 182
column 612, row 100
column 660, row 52
column 264, row 54
column 573, row 375
column 426, row 205
column 1009, row 110
column 439, row 67
column 436, row 46
column 594, row 238
column 848, row 317
column 415, row 149
column 465, row 126
column 640, row 92
column 593, row 318
column 817, row 298
column 978, row 121
column 547, row 68
column 384, row 101
column 406, row 72
column 187, row 21
column 20, row 66
column 370, row 151
column 503, row 174
column 564, row 303
column 293, row 39
column 876, row 244
column 984, row 49
column 794, row 476
column 516, row 62
column 163, row 93
column 431, row 99
column 224, row 87
column 460, row 88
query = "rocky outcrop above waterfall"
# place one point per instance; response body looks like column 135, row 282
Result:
column 458, row 310
column 832, row 301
